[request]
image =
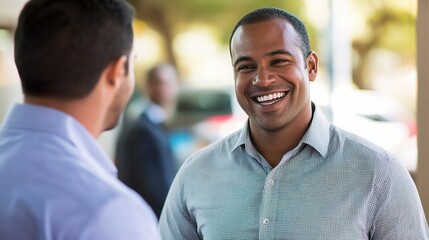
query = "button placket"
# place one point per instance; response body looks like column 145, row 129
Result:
column 269, row 206
column 266, row 221
column 270, row 183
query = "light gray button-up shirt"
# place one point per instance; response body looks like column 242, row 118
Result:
column 333, row 185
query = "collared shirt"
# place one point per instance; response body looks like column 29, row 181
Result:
column 57, row 183
column 334, row 185
column 156, row 113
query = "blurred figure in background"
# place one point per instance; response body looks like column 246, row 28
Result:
column 75, row 61
column 144, row 156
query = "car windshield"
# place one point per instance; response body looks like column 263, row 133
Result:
column 204, row 102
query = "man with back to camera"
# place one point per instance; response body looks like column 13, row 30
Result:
column 75, row 61
column 289, row 173
column 144, row 157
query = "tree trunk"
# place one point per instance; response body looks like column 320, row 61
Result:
column 156, row 18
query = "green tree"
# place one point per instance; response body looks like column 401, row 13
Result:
column 389, row 28
column 170, row 17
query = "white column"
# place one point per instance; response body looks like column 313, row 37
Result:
column 10, row 85
column 340, row 44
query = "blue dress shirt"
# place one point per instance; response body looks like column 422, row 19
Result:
column 333, row 185
column 57, row 183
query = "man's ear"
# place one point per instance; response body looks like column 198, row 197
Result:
column 312, row 68
column 116, row 71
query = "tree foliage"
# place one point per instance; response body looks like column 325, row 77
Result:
column 388, row 28
column 170, row 17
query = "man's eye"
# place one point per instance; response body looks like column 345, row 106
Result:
column 245, row 68
column 279, row 61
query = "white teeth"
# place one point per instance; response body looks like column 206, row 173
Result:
column 270, row 97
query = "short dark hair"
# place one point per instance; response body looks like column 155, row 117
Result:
column 63, row 46
column 265, row 14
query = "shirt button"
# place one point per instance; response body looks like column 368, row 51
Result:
column 265, row 221
column 271, row 182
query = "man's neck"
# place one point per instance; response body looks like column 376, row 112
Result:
column 78, row 109
column 273, row 145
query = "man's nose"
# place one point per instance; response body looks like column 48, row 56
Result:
column 263, row 78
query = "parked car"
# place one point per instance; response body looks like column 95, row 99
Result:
column 202, row 116
column 380, row 119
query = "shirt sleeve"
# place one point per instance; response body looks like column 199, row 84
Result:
column 121, row 218
column 399, row 212
column 176, row 221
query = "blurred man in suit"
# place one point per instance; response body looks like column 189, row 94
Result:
column 144, row 157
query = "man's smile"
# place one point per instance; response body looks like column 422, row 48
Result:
column 271, row 98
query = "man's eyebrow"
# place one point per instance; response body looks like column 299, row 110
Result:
column 270, row 54
column 241, row 59
column 279, row 52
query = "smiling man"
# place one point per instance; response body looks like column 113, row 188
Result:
column 289, row 173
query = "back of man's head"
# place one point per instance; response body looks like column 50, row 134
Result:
column 63, row 46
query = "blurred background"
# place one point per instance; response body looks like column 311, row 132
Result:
column 367, row 52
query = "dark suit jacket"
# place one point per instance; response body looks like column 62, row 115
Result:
column 145, row 160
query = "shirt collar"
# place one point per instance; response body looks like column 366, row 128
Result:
column 156, row 113
column 52, row 121
column 243, row 136
column 316, row 136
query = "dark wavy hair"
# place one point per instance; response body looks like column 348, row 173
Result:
column 63, row 46
column 265, row 14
